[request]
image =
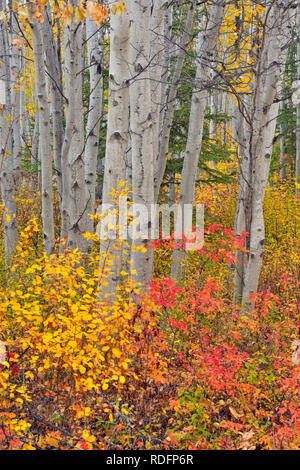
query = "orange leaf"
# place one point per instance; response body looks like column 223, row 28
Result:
column 17, row 43
column 68, row 14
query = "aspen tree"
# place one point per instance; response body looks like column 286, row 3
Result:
column 23, row 110
column 205, row 52
column 157, row 47
column 44, row 130
column 15, row 69
column 53, row 68
column 243, row 136
column 283, row 149
column 34, row 157
column 6, row 156
column 95, row 64
column 117, row 131
column 74, row 194
column 161, row 157
column 166, row 64
column 141, row 132
column 263, row 112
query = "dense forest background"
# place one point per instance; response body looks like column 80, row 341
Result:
column 112, row 342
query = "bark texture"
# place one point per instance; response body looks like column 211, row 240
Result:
column 263, row 113
column 141, row 132
column 116, row 141
column 205, row 53
column 7, row 179
column 45, row 143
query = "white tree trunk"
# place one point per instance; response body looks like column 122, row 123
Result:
column 283, row 156
column 264, row 111
column 214, row 110
column 74, row 195
column 157, row 47
column 45, row 142
column 15, row 69
column 141, row 131
column 161, row 158
column 34, row 154
column 117, row 136
column 23, row 110
column 205, row 53
column 166, row 64
column 6, row 159
column 95, row 63
column 57, row 110
column 243, row 137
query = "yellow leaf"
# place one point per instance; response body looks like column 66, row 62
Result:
column 116, row 352
column 14, row 6
column 52, row 441
column 28, row 447
column 80, row 15
column 87, row 436
column 113, row 9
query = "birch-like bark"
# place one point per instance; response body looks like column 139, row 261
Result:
column 74, row 194
column 161, row 158
column 264, row 112
column 57, row 110
column 23, row 110
column 157, row 48
column 214, row 110
column 243, row 138
column 128, row 170
column 15, row 69
column 283, row 156
column 166, row 64
column 205, row 53
column 34, row 154
column 117, row 137
column 45, row 142
column 6, row 158
column 141, row 134
column 172, row 186
column 95, row 63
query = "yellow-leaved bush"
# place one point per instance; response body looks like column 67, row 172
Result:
column 65, row 347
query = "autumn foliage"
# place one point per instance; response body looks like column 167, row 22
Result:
column 179, row 363
column 183, row 368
